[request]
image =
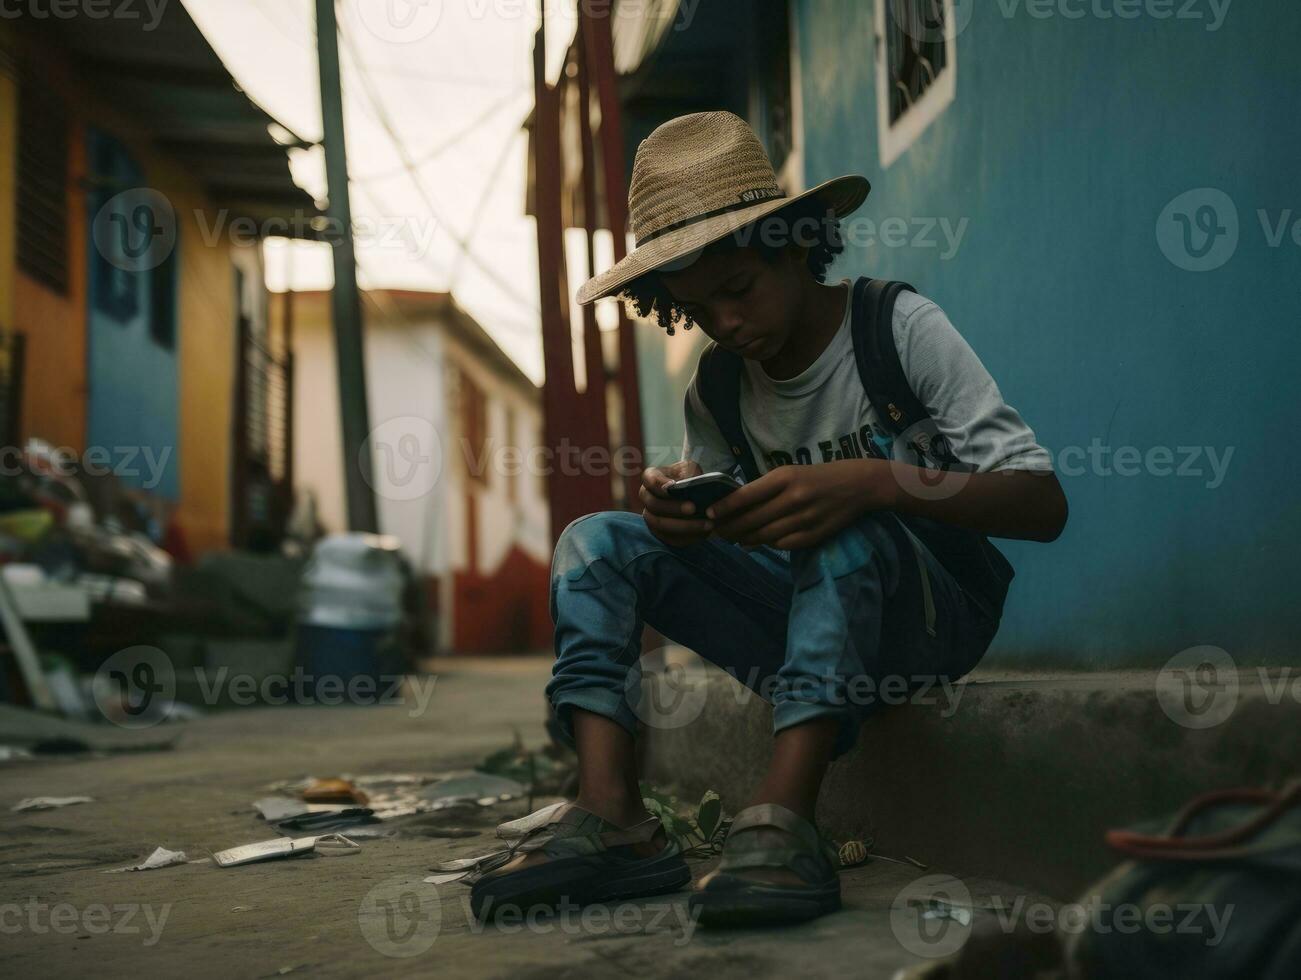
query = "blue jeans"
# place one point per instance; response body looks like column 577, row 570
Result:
column 830, row 630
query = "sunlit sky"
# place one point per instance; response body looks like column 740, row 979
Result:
column 454, row 78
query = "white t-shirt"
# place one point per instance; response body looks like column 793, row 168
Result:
column 823, row 413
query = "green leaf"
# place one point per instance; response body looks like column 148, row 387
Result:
column 709, row 813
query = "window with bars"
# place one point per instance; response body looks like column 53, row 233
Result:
column 513, row 477
column 915, row 50
column 774, row 81
column 162, row 301
column 916, row 69
column 41, row 192
column 474, row 428
column 117, row 290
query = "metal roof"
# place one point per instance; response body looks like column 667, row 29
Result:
column 178, row 95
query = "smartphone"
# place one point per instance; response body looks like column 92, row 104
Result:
column 703, row 490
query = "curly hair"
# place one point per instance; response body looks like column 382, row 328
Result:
column 651, row 298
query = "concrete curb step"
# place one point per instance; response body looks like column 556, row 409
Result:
column 1015, row 777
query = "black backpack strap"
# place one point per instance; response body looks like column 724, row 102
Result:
column 718, row 380
column 979, row 567
column 879, row 366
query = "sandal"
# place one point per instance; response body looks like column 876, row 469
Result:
column 589, row 860
column 726, row 898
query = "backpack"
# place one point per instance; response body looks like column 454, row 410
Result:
column 1235, row 852
column 980, row 568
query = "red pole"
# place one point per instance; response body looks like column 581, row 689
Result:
column 594, row 398
column 599, row 45
column 569, row 491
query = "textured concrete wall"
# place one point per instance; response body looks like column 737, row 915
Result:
column 1067, row 139
column 1011, row 777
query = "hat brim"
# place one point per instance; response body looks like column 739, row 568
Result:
column 842, row 195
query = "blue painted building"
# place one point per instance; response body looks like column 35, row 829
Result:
column 1106, row 198
column 131, row 329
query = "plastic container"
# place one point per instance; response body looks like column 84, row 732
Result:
column 349, row 613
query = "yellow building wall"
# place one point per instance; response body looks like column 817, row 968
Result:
column 206, row 349
column 55, row 395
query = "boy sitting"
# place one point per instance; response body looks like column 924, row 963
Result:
column 855, row 551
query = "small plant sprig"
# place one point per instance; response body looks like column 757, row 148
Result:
column 697, row 836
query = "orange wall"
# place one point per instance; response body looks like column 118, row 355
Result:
column 206, row 372
column 55, row 395
column 55, row 325
column 54, row 390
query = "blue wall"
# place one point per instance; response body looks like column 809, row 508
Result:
column 1065, row 143
column 132, row 404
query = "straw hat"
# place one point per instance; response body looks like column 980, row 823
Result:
column 695, row 180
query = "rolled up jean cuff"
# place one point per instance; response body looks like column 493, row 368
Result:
column 598, row 700
column 789, row 713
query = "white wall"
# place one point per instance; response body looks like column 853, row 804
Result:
column 501, row 522
column 318, row 457
column 410, row 377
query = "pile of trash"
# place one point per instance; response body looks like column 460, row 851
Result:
column 59, row 524
column 343, row 802
column 330, row 815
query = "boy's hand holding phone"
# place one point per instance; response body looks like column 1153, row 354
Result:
column 801, row 506
column 673, row 521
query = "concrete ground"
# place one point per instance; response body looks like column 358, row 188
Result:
column 368, row 912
